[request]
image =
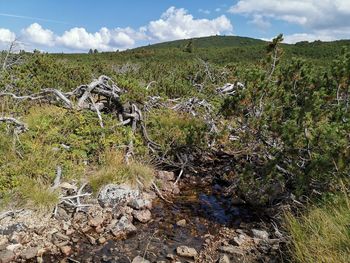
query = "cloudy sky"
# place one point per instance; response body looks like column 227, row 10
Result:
column 78, row 25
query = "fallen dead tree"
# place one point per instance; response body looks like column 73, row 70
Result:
column 103, row 87
column 103, row 95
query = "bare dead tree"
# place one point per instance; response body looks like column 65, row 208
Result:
column 9, row 58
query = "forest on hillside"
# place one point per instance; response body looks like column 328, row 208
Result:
column 275, row 117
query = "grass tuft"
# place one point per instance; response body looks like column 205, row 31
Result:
column 37, row 195
column 114, row 170
column 323, row 233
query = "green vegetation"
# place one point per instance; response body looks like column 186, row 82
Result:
column 113, row 169
column 286, row 124
column 322, row 233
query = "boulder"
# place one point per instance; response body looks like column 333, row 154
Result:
column 113, row 195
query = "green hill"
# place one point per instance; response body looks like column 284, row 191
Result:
column 220, row 50
column 209, row 42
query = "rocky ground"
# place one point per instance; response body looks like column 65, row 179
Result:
column 192, row 222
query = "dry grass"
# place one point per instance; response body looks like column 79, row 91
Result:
column 37, row 195
column 115, row 170
column 323, row 233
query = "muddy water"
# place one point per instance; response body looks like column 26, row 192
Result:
column 201, row 203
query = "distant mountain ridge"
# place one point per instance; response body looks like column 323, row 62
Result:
column 211, row 41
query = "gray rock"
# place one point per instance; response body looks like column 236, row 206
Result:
column 181, row 223
column 96, row 221
column 224, row 259
column 13, row 247
column 239, row 240
column 140, row 204
column 166, row 176
column 61, row 236
column 91, row 239
column 66, row 250
column 12, row 229
column 102, row 240
column 185, row 251
column 262, row 234
column 123, row 227
column 6, row 256
column 142, row 216
column 3, row 241
column 30, row 253
column 62, row 214
column 139, row 259
column 112, row 195
column 231, row 250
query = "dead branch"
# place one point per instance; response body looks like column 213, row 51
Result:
column 150, row 84
column 160, row 194
column 10, row 213
column 57, row 181
column 20, row 126
column 184, row 163
column 30, row 97
column 97, row 111
column 230, row 89
column 10, row 58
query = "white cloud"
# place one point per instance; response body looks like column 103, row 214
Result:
column 322, row 19
column 294, row 38
column 173, row 24
column 6, row 36
column 315, row 14
column 36, row 34
column 260, row 22
column 105, row 39
column 78, row 38
column 178, row 24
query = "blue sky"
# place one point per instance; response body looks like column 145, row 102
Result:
column 77, row 25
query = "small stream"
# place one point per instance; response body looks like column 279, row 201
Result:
column 201, row 203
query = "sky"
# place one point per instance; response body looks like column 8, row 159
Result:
column 107, row 25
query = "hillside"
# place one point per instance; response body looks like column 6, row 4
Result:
column 209, row 42
column 220, row 50
column 209, row 149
